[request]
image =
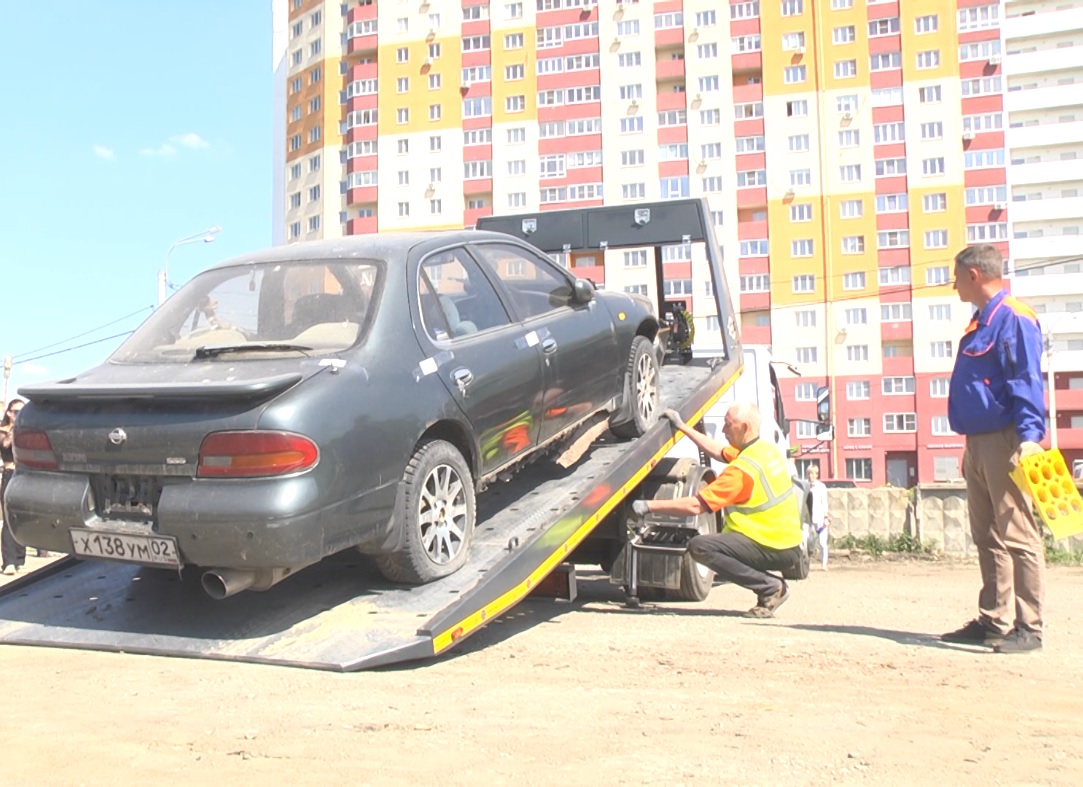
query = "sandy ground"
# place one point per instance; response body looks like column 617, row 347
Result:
column 847, row 685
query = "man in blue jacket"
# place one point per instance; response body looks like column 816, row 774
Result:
column 996, row 399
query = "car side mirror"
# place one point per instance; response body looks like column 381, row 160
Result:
column 584, row 291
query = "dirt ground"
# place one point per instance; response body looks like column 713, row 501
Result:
column 847, row 684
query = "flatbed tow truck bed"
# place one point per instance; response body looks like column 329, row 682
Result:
column 338, row 614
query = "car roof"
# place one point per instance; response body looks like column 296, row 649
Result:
column 380, row 246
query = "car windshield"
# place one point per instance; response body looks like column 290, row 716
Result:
column 284, row 307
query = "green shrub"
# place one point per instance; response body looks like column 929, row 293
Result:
column 902, row 543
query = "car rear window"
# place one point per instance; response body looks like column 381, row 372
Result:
column 321, row 305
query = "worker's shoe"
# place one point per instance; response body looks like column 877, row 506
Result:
column 973, row 633
column 8, row 570
column 1020, row 641
column 768, row 604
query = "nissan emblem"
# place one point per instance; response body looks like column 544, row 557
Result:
column 118, row 436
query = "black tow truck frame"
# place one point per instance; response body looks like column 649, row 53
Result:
column 338, row 615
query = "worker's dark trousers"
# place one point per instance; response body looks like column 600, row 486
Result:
column 738, row 559
column 12, row 552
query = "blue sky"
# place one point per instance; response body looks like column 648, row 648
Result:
column 128, row 124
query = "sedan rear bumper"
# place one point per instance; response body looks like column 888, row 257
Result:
column 251, row 523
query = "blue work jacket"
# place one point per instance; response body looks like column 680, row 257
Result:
column 998, row 375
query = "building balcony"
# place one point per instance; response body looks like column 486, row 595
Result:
column 755, row 301
column 1043, row 61
column 471, row 215
column 477, row 186
column 1041, row 98
column 1047, row 172
column 669, row 69
column 752, row 198
column 1046, row 134
column 1057, row 209
column 368, row 225
column 751, row 230
column 897, row 331
column 669, row 37
column 671, row 100
column 746, row 94
column 747, row 62
column 1045, row 23
column 361, row 195
column 1048, row 285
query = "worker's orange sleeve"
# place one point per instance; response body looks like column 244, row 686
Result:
column 731, row 486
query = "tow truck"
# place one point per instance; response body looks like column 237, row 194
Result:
column 531, row 532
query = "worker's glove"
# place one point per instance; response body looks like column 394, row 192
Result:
column 674, row 418
column 1026, row 448
column 639, row 508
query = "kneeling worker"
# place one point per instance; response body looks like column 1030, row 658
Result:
column 762, row 529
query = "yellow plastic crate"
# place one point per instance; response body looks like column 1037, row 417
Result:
column 1046, row 478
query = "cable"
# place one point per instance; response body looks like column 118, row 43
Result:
column 76, row 347
column 81, row 335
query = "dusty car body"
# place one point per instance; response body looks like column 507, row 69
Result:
column 291, row 403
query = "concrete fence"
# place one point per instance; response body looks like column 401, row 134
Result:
column 932, row 513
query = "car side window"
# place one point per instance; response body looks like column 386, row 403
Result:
column 456, row 298
column 535, row 286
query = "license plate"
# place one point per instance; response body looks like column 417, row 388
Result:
column 150, row 550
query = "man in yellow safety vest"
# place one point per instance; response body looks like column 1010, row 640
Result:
column 762, row 530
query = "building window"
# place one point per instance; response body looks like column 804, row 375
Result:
column 859, row 469
column 931, row 94
column 941, row 350
column 884, row 27
column 634, row 191
column 929, row 59
column 797, row 108
column 926, row 24
column 799, row 143
column 936, row 239
column 857, row 390
column 793, row 7
column 845, row 69
column 806, row 355
column 800, row 177
column 850, row 173
column 636, row 258
column 858, row 427
column 755, row 248
column 857, row 352
column 853, row 244
column 885, row 61
column 934, row 203
column 802, row 212
column 896, row 312
column 851, row 209
column 843, row 35
column 801, row 248
column 849, row 138
column 932, row 166
column 895, row 275
column 792, row 75
column 806, row 318
column 940, row 312
column 804, row 283
column 759, row 282
column 892, row 203
column 900, row 422
column 938, row 387
column 896, row 386
column 853, row 281
column 941, row 426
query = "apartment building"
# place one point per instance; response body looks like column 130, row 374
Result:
column 1043, row 69
column 846, row 149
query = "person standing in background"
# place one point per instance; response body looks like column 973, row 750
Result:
column 996, row 398
column 818, row 494
column 12, row 553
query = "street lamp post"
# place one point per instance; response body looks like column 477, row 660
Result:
column 207, row 236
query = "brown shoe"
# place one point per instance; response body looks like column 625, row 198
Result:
column 767, row 606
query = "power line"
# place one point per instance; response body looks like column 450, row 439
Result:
column 76, row 347
column 79, row 336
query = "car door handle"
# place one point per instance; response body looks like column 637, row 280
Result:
column 462, row 377
column 549, row 345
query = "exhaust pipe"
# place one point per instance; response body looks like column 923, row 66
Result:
column 220, row 583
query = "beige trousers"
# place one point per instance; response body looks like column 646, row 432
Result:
column 1009, row 540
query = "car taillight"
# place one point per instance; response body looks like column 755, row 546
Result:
column 33, row 449
column 246, row 454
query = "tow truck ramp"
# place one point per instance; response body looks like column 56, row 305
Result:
column 338, row 614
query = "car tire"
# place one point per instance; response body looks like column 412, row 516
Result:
column 641, row 391
column 696, row 579
column 436, row 509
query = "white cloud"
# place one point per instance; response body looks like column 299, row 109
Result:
column 165, row 149
column 172, row 146
column 191, row 140
column 101, row 151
